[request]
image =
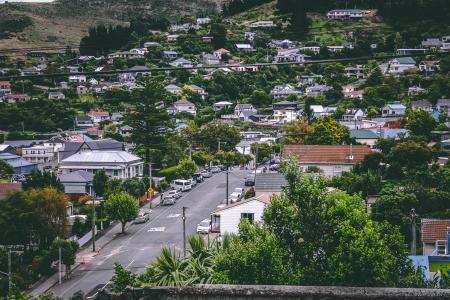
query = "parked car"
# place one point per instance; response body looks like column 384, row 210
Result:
column 192, row 181
column 222, row 167
column 173, row 193
column 204, row 226
column 206, row 174
column 180, row 184
column 235, row 197
column 142, row 217
column 274, row 167
column 239, row 190
column 198, row 177
column 216, row 169
column 250, row 180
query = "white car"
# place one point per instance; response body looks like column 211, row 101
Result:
column 172, row 193
column 239, row 190
column 204, row 226
column 206, row 174
column 142, row 217
column 215, row 169
column 235, row 197
column 169, row 200
column 193, row 182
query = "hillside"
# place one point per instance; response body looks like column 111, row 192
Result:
column 66, row 21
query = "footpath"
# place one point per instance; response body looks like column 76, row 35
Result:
column 85, row 254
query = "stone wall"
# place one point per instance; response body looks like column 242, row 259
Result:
column 245, row 292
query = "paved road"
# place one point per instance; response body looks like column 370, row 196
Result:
column 143, row 242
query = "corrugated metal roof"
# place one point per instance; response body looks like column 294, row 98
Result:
column 77, row 176
column 102, row 157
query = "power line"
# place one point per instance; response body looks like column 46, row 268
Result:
column 159, row 69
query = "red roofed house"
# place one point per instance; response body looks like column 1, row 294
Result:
column 98, row 116
column 221, row 52
column 331, row 159
column 5, row 88
column 225, row 220
column 435, row 236
column 184, row 105
column 15, row 98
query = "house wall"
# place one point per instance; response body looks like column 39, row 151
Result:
column 368, row 142
column 330, row 170
column 74, row 188
column 230, row 218
column 429, row 248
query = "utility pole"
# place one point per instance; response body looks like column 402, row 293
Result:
column 59, row 266
column 190, row 151
column 9, row 271
column 184, row 231
column 93, row 223
column 150, row 173
column 413, row 231
column 228, row 196
column 256, row 161
column 218, row 145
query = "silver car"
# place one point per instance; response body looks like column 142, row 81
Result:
column 204, row 226
column 142, row 217
column 168, row 200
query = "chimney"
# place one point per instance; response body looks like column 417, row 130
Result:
column 350, row 157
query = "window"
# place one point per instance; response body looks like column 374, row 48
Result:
column 249, row 216
column 116, row 173
column 441, row 247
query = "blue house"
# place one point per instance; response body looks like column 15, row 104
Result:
column 20, row 165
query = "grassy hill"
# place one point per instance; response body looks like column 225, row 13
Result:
column 67, row 21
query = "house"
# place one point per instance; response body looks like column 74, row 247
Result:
column 98, row 116
column 184, row 105
column 415, row 91
column 38, row 154
column 73, row 147
column 172, row 38
column 249, row 36
column 443, row 105
column 248, row 69
column 221, row 105
column 422, row 105
column 20, row 165
column 5, row 88
column 133, row 73
column 393, row 110
column 335, row 49
column 244, row 108
column 56, row 96
column 126, row 55
column 116, row 164
column 353, row 114
column 289, row 55
column 173, row 89
column 199, row 90
column 364, row 136
column 82, row 89
column 84, row 122
column 356, row 72
column 429, row 66
column 317, row 110
column 151, row 44
column 77, row 183
column 316, row 89
column 285, row 90
column 207, row 39
column 219, row 53
column 15, row 98
column 226, row 220
column 272, row 183
column 30, row 71
column 401, row 64
column 203, row 21
column 77, row 78
column 210, row 59
column 181, row 62
column 285, row 112
column 244, row 47
column 4, row 148
column 283, row 44
column 431, row 43
column 340, row 14
column 168, row 54
column 331, row 159
column 311, row 49
column 435, row 236
column 262, row 24
column 350, row 91
column 139, row 51
column 259, row 118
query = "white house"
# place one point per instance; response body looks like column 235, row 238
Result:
column 98, row 116
column 5, row 88
column 199, row 90
column 173, row 89
column 184, row 105
column 77, row 78
column 262, row 24
column 117, row 164
column 316, row 89
column 415, row 90
column 401, row 64
column 182, row 62
column 340, row 14
column 393, row 110
column 221, row 105
column 244, row 47
column 290, row 55
column 243, row 108
column 435, row 236
column 285, row 112
column 226, row 220
column 285, row 90
column 312, row 49
column 172, row 38
column 38, row 154
column 210, row 59
column 203, row 21
column 56, row 96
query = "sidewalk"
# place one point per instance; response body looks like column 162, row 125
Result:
column 85, row 255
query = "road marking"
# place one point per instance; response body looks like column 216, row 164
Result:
column 157, row 229
column 174, row 215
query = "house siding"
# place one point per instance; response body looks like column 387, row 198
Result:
column 230, row 218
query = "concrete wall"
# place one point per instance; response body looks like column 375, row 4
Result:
column 241, row 292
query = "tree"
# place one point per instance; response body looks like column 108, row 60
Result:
column 6, row 171
column 42, row 179
column 420, row 123
column 326, row 131
column 219, row 34
column 100, row 182
column 122, row 278
column 375, row 77
column 296, row 132
column 122, row 207
column 263, row 150
column 148, row 120
column 68, row 252
column 410, row 155
column 214, row 132
column 187, row 168
column 135, row 187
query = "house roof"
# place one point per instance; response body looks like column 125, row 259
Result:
column 71, row 148
column 396, row 106
column 421, row 103
column 222, row 51
column 139, row 68
column 183, row 102
column 4, row 147
column 77, row 176
column 434, row 229
column 173, row 87
column 15, row 161
column 3, row 82
column 405, row 60
column 263, row 198
column 109, row 156
column 98, row 113
column 326, row 154
column 222, row 103
column 445, row 102
column 243, row 106
column 432, row 42
column 195, row 87
column 363, row 134
column 270, row 182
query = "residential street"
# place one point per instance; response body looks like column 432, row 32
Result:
column 143, row 242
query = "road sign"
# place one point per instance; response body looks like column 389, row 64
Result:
column 150, row 190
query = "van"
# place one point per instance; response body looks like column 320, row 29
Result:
column 183, row 185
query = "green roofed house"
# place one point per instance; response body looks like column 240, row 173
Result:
column 364, row 136
column 401, row 64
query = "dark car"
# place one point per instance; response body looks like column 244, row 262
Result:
column 250, row 180
column 198, row 177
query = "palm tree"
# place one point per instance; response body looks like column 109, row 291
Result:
column 169, row 269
